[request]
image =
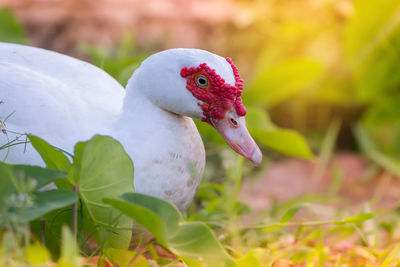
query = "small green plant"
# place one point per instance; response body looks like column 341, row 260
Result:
column 94, row 206
column 94, row 162
column 191, row 241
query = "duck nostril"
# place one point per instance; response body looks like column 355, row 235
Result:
column 234, row 123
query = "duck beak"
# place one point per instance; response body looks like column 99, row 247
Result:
column 233, row 130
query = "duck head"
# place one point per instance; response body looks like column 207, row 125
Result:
column 201, row 85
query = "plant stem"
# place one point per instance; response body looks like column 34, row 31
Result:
column 238, row 176
column 74, row 224
column 43, row 227
column 288, row 224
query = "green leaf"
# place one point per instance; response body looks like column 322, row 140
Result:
column 69, row 250
column 11, row 30
column 102, row 169
column 285, row 141
column 53, row 158
column 37, row 255
column 145, row 217
column 257, row 118
column 290, row 213
column 20, row 174
column 24, row 179
column 193, row 241
column 163, row 209
column 359, row 218
column 45, row 202
column 277, row 83
column 254, row 257
column 208, row 133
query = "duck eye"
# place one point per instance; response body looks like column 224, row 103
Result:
column 202, row 81
column 234, row 123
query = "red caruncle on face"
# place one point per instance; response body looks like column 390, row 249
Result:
column 216, row 96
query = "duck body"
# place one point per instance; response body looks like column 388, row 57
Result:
column 65, row 100
column 53, row 96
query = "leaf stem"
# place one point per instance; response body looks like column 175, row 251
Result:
column 74, row 224
column 43, row 228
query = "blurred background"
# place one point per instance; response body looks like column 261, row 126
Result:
column 305, row 61
column 327, row 69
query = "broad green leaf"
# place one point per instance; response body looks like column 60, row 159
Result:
column 43, row 203
column 53, row 158
column 102, row 169
column 193, row 241
column 285, row 141
column 163, row 209
column 11, row 30
column 145, row 217
column 277, row 83
column 196, row 241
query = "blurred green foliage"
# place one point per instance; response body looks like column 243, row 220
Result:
column 324, row 60
column 373, row 46
column 120, row 61
column 334, row 59
column 11, row 29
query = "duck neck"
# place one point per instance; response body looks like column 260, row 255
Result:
column 144, row 123
column 166, row 149
column 139, row 111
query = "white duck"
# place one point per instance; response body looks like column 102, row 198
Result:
column 64, row 100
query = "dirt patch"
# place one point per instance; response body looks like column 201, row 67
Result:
column 348, row 176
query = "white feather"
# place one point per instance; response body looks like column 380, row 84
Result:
column 65, row 100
